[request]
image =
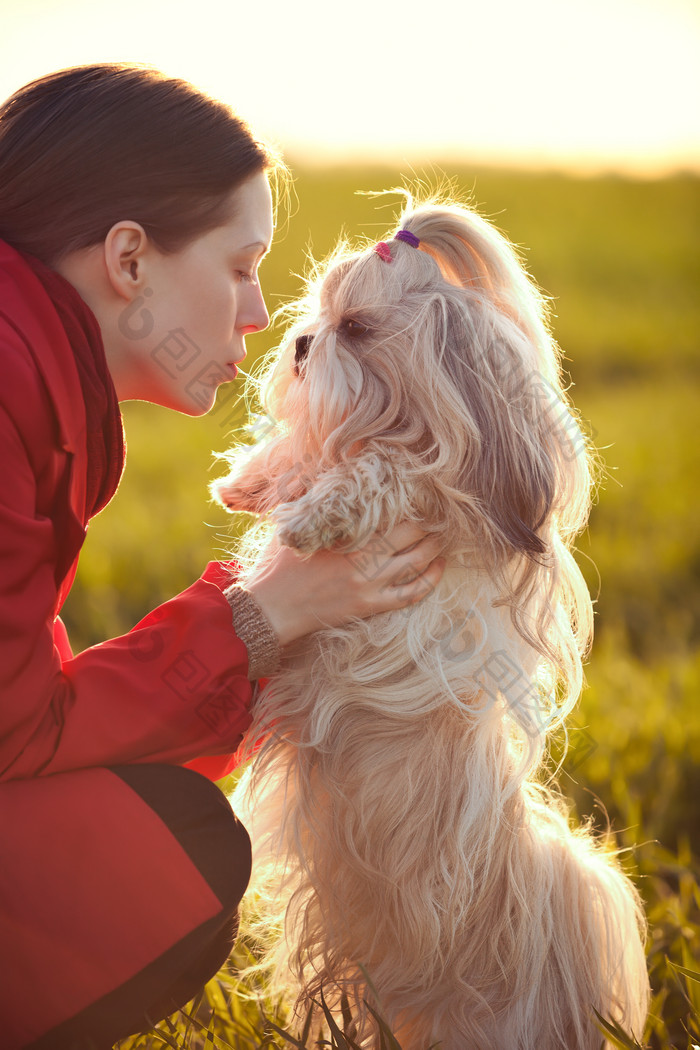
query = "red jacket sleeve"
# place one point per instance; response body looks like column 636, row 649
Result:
column 171, row 690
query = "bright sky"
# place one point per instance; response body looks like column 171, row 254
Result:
column 570, row 83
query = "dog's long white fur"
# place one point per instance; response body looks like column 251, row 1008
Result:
column 400, row 823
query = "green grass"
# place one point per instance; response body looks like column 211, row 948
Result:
column 620, row 260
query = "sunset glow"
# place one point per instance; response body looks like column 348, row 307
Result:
column 609, row 84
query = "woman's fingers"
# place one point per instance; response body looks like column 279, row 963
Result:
column 330, row 588
column 405, row 575
column 412, row 561
column 404, row 536
column 399, row 557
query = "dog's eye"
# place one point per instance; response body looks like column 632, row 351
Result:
column 354, row 329
column 301, row 349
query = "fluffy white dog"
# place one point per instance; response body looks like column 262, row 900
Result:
column 401, row 826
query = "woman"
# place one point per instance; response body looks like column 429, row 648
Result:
column 134, row 213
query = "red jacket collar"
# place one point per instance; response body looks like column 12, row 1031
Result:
column 26, row 306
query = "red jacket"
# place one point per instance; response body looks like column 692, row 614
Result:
column 174, row 687
column 93, row 887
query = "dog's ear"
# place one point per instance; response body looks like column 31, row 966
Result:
column 522, row 501
column 518, row 429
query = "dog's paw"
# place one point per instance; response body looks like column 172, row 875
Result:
column 237, row 496
column 308, row 530
column 340, row 510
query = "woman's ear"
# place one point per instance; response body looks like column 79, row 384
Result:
column 125, row 253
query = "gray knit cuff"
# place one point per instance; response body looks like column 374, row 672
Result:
column 255, row 631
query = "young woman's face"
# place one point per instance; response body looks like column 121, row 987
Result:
column 184, row 334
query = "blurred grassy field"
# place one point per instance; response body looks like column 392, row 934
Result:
column 621, row 261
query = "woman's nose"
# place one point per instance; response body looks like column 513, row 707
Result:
column 255, row 316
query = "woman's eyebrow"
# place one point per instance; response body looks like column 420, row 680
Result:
column 255, row 244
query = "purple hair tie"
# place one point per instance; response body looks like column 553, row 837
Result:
column 408, row 237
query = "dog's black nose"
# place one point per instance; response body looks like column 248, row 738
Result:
column 302, row 346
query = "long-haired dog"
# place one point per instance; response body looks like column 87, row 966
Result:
column 402, row 829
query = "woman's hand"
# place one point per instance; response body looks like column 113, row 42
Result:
column 299, row 596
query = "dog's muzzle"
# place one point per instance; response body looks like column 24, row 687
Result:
column 302, row 347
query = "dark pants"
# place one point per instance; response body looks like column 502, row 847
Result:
column 200, row 818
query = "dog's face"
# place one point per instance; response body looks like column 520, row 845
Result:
column 439, row 379
column 344, row 376
column 426, row 363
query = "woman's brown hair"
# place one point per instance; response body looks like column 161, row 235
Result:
column 85, row 147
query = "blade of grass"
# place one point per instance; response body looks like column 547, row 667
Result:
column 389, row 1040
column 694, row 975
column 217, row 1040
column 166, row 1039
column 345, row 1011
column 307, row 1025
column 343, row 1042
column 287, row 1035
column 616, row 1034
